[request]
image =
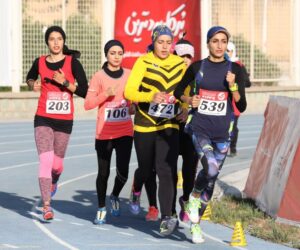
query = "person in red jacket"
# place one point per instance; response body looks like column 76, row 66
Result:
column 114, row 125
column 53, row 120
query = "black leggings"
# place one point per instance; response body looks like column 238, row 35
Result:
column 234, row 135
column 157, row 150
column 104, row 148
column 189, row 165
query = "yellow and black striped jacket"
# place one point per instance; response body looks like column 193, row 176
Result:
column 149, row 76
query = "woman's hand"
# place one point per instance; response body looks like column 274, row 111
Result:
column 111, row 90
column 36, row 87
column 59, row 76
column 182, row 117
column 230, row 78
column 159, row 97
column 132, row 109
column 194, row 101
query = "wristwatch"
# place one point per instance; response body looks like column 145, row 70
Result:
column 66, row 83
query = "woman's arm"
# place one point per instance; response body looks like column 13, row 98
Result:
column 32, row 76
column 80, row 76
column 96, row 94
column 134, row 81
column 239, row 95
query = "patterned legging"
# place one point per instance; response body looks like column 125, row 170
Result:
column 212, row 155
column 51, row 146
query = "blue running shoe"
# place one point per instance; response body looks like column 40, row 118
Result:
column 100, row 216
column 134, row 202
column 115, row 206
column 53, row 189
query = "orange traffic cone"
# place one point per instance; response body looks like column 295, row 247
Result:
column 207, row 213
column 180, row 180
column 238, row 236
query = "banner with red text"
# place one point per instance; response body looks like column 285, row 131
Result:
column 135, row 20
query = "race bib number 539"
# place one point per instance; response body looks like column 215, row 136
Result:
column 213, row 102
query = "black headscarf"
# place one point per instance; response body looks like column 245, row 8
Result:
column 66, row 50
column 112, row 43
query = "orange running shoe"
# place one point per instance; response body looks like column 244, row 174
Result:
column 48, row 213
column 152, row 215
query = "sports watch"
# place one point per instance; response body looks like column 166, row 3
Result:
column 66, row 83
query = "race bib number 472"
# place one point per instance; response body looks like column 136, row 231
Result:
column 213, row 102
column 58, row 103
column 163, row 110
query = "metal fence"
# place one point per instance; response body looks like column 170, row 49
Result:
column 261, row 31
column 80, row 20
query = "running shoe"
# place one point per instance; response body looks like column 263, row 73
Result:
column 134, row 202
column 168, row 225
column 53, row 189
column 48, row 213
column 100, row 216
column 197, row 236
column 152, row 214
column 193, row 207
column 183, row 215
column 115, row 206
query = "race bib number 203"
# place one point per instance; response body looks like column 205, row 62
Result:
column 58, row 103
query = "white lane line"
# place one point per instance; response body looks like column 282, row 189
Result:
column 53, row 236
column 102, row 228
column 36, row 162
column 237, row 163
column 2, row 246
column 178, row 245
column 248, row 147
column 10, row 246
column 127, row 234
column 130, row 245
column 76, row 128
column 73, row 138
column 248, row 138
column 34, row 150
column 152, row 239
column 76, row 224
column 47, row 231
column 211, row 237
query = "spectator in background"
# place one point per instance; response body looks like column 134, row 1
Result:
column 232, row 56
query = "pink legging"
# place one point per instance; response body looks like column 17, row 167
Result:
column 51, row 146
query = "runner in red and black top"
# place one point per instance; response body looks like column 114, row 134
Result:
column 54, row 116
column 217, row 82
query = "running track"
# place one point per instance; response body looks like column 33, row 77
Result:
column 75, row 202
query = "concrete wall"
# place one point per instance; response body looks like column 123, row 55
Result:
column 22, row 106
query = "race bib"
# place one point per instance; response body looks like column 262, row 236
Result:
column 165, row 109
column 58, row 103
column 116, row 111
column 213, row 102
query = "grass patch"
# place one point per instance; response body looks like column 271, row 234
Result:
column 230, row 209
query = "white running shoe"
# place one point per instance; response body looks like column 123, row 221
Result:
column 197, row 236
column 193, row 207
